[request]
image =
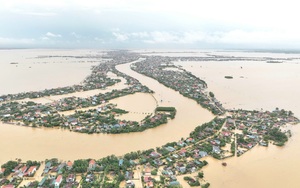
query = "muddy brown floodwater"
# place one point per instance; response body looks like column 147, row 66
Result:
column 42, row 143
column 254, row 86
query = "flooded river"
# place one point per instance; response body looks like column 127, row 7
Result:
column 254, row 86
column 39, row 144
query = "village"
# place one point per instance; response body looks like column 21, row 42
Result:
column 101, row 119
column 223, row 137
column 163, row 70
column 231, row 133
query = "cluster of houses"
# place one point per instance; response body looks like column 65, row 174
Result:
column 49, row 115
column 257, row 127
column 12, row 174
column 180, row 80
column 222, row 137
column 163, row 165
column 103, row 119
column 98, row 79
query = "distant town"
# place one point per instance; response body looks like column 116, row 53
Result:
column 232, row 132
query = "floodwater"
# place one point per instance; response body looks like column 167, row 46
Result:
column 82, row 94
column 254, row 86
column 45, row 72
column 144, row 104
column 42, row 143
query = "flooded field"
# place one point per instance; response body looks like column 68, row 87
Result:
column 138, row 105
column 81, row 94
column 254, row 86
column 34, row 70
column 39, row 144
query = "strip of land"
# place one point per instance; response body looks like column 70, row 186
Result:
column 230, row 133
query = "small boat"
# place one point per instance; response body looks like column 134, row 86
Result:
column 224, row 164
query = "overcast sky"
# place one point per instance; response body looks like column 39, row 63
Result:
column 230, row 24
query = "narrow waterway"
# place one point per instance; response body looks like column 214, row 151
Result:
column 42, row 143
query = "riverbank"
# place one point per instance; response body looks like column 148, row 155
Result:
column 260, row 167
column 43, row 139
column 172, row 160
column 179, row 166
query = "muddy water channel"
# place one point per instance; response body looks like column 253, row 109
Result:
column 42, row 143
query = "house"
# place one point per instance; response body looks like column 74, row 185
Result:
column 182, row 152
column 158, row 162
column 215, row 142
column 181, row 143
column 147, row 179
column 70, row 178
column 47, row 167
column 170, row 148
column 147, row 172
column 58, row 181
column 117, row 125
column 230, row 121
column 182, row 169
column 254, row 131
column 6, row 115
column 89, row 178
column 60, row 168
column 175, row 155
column 41, row 183
column 129, row 183
column 154, row 154
column 226, row 133
column 17, row 168
column 203, row 153
column 128, row 175
column 174, row 183
column 121, row 162
column 149, row 184
column 92, row 164
column 189, row 140
column 197, row 162
column 249, row 145
column 31, row 171
column 252, row 136
column 216, row 150
column 69, row 165
column 122, row 124
column 8, row 186
column 132, row 162
column 168, row 172
column 263, row 143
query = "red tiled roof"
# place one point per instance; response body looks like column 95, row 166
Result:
column 69, row 163
column 147, row 178
column 8, row 186
column 58, row 179
column 30, row 170
column 23, row 169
